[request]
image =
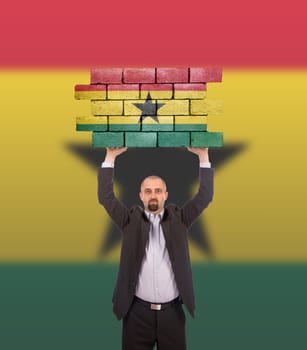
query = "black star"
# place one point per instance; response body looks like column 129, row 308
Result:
column 180, row 172
column 149, row 109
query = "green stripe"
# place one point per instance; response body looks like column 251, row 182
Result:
column 190, row 127
column 68, row 306
column 92, row 127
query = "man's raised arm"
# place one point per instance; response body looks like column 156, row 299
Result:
column 114, row 207
column 193, row 208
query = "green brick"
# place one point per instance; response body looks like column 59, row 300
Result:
column 190, row 127
column 207, row 139
column 173, row 139
column 124, row 127
column 92, row 127
column 157, row 127
column 108, row 139
column 141, row 139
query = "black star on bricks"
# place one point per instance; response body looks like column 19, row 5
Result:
column 149, row 109
column 178, row 167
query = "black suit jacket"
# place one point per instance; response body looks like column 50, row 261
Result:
column 135, row 228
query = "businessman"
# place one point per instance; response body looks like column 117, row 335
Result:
column 154, row 277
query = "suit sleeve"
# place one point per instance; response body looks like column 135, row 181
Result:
column 194, row 207
column 118, row 212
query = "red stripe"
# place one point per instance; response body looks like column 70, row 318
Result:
column 228, row 33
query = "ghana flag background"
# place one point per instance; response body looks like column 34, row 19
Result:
column 58, row 249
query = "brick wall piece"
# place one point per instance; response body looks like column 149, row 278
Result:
column 191, row 91
column 124, row 123
column 139, row 75
column 92, row 123
column 173, row 139
column 205, row 74
column 172, row 75
column 174, row 107
column 106, row 75
column 190, row 123
column 165, row 124
column 90, row 92
column 107, row 107
column 206, row 139
column 141, row 139
column 157, row 91
column 203, row 107
column 108, row 139
column 123, row 91
column 131, row 109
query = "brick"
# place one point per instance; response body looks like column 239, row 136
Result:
column 172, row 75
column 205, row 74
column 107, row 107
column 174, row 107
column 120, row 123
column 139, row 75
column 131, row 109
column 157, row 91
column 141, row 139
column 173, row 139
column 206, row 139
column 165, row 124
column 108, row 139
column 91, row 123
column 123, row 91
column 205, row 107
column 190, row 123
column 90, row 92
column 106, row 75
column 191, row 91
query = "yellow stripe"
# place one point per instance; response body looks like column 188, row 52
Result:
column 49, row 208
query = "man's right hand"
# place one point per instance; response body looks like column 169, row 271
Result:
column 113, row 152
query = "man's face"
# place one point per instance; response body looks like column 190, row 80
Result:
column 153, row 194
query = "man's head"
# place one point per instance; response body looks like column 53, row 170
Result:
column 153, row 193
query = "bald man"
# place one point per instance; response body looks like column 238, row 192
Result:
column 154, row 277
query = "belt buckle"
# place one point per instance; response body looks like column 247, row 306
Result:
column 156, row 307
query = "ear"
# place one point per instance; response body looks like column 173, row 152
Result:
column 141, row 196
column 166, row 195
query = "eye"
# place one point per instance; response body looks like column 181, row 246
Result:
column 158, row 190
column 147, row 191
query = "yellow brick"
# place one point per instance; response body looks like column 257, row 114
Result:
column 121, row 95
column 157, row 94
column 174, row 107
column 190, row 119
column 205, row 107
column 92, row 120
column 90, row 95
column 131, row 109
column 162, row 120
column 124, row 119
column 107, row 107
column 193, row 95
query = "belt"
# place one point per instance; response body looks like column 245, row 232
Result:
column 157, row 306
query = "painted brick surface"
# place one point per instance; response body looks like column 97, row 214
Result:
column 172, row 75
column 141, row 139
column 206, row 139
column 108, row 139
column 174, row 139
column 106, row 75
column 150, row 107
column 205, row 74
column 139, row 75
column 107, row 107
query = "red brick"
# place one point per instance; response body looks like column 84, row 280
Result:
column 172, row 75
column 139, row 75
column 190, row 87
column 205, row 74
column 123, row 87
column 98, row 87
column 156, row 87
column 106, row 75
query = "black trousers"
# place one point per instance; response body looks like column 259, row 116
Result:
column 143, row 328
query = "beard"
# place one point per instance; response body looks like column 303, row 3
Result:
column 153, row 205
